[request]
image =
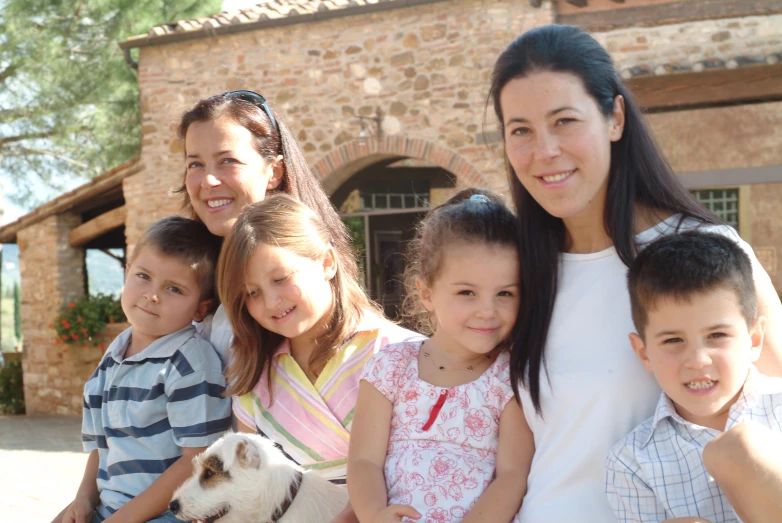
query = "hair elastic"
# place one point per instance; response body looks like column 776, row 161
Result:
column 482, row 198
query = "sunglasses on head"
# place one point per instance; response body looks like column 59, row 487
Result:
column 257, row 100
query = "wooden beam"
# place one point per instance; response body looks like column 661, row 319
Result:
column 669, row 13
column 92, row 190
column 97, row 226
column 751, row 83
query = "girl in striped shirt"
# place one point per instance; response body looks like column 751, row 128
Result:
column 303, row 329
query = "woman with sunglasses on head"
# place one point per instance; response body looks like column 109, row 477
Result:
column 238, row 151
column 591, row 189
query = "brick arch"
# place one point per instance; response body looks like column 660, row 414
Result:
column 342, row 163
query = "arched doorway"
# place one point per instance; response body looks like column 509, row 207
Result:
column 382, row 189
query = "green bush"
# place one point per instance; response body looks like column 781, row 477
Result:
column 81, row 320
column 11, row 388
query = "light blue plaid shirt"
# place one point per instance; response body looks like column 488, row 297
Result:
column 657, row 473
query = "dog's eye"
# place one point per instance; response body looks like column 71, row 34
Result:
column 208, row 473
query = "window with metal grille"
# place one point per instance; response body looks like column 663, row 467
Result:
column 372, row 201
column 724, row 203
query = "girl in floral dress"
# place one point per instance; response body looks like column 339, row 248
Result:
column 437, row 434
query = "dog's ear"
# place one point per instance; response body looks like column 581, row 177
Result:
column 247, row 455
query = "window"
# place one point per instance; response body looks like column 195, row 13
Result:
column 724, row 203
column 388, row 200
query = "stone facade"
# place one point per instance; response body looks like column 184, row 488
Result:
column 693, row 45
column 426, row 69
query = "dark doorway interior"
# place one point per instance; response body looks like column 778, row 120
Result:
column 382, row 206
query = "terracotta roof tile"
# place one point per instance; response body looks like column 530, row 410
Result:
column 265, row 13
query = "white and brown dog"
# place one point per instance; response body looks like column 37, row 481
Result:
column 244, row 478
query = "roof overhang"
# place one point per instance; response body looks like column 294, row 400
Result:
column 239, row 22
column 99, row 185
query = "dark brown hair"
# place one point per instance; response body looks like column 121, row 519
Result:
column 190, row 242
column 285, row 222
column 639, row 174
column 471, row 216
column 679, row 266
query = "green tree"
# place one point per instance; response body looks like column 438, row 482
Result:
column 69, row 103
column 17, row 313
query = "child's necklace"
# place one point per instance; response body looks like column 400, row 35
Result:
column 471, row 366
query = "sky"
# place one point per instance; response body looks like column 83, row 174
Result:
column 11, row 213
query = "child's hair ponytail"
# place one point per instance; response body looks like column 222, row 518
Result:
column 471, row 216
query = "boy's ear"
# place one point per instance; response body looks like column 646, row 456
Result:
column 202, row 310
column 330, row 263
column 425, row 293
column 640, row 350
column 756, row 334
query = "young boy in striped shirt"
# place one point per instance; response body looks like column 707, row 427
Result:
column 155, row 400
column 695, row 307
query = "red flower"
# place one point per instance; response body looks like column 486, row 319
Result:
column 84, row 330
column 102, row 346
column 71, row 305
column 477, row 424
column 79, row 320
column 74, row 336
column 64, row 336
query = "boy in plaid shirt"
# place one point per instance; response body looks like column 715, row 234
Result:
column 694, row 304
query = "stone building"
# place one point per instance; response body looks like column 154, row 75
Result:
column 388, row 101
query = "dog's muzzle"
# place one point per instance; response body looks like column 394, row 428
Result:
column 175, row 507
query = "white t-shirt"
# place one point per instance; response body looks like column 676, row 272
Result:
column 598, row 390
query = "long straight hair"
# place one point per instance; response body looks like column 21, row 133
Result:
column 282, row 221
column 639, row 174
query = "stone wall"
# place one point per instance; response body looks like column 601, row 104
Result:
column 426, row 68
column 665, row 47
column 52, row 274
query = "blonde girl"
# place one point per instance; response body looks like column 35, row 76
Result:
column 438, row 435
column 303, row 329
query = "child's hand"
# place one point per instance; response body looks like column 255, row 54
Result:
column 394, row 513
column 79, row 511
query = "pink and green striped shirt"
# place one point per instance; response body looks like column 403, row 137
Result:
column 311, row 421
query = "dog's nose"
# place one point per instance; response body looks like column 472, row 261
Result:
column 174, row 506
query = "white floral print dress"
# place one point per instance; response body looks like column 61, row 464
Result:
column 441, row 471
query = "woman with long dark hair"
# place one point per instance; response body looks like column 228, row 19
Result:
column 591, row 188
